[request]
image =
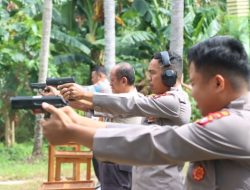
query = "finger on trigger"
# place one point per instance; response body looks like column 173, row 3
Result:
column 49, row 108
column 53, row 110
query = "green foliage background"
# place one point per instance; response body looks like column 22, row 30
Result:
column 77, row 42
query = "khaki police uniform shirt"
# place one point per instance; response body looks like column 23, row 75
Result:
column 172, row 108
column 113, row 176
column 217, row 146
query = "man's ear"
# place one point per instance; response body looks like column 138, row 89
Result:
column 124, row 80
column 219, row 83
column 99, row 76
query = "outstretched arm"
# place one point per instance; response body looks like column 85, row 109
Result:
column 167, row 105
column 206, row 139
column 151, row 145
column 171, row 105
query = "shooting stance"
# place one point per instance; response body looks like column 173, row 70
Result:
column 217, row 146
column 168, row 106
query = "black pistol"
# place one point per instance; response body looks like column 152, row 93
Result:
column 59, row 81
column 39, row 87
column 35, row 102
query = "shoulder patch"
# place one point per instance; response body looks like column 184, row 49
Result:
column 198, row 173
column 212, row 116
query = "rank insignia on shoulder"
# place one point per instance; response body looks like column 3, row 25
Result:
column 212, row 116
column 198, row 173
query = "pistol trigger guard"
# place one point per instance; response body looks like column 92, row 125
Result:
column 46, row 115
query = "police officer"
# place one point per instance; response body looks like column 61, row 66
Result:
column 217, row 145
column 169, row 106
column 117, row 176
column 100, row 83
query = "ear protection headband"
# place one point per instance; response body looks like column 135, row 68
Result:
column 169, row 76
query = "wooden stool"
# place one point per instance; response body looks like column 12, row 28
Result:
column 68, row 185
column 75, row 156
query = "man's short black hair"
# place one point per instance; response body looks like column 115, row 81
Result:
column 176, row 62
column 125, row 70
column 99, row 69
column 221, row 55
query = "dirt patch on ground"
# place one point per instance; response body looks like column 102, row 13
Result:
column 14, row 182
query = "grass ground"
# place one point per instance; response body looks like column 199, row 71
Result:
column 28, row 185
column 28, row 176
column 19, row 172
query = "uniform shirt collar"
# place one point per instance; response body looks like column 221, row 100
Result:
column 176, row 88
column 242, row 102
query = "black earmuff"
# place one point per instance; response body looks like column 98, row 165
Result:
column 169, row 76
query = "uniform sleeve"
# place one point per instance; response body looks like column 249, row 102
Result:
column 151, row 145
column 166, row 106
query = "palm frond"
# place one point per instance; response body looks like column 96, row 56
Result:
column 69, row 41
column 33, row 9
column 134, row 37
column 72, row 58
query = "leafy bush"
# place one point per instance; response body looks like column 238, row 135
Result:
column 16, row 163
column 195, row 111
column 19, row 152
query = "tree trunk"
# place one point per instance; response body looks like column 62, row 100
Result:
column 177, row 25
column 13, row 139
column 38, row 136
column 109, row 34
column 7, row 130
column 43, row 70
column 44, row 52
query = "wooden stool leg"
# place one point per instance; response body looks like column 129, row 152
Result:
column 58, row 170
column 51, row 163
column 77, row 171
column 88, row 169
column 76, row 165
column 74, row 170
